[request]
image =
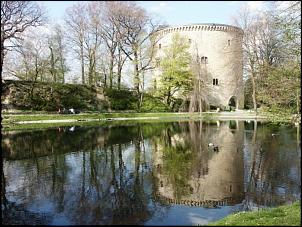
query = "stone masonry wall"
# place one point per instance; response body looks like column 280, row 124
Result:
column 222, row 45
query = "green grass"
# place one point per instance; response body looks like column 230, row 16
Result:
column 287, row 215
column 14, row 118
column 12, row 126
column 11, row 121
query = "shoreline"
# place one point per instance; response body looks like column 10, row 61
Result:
column 42, row 120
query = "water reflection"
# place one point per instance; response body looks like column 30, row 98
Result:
column 134, row 174
column 190, row 172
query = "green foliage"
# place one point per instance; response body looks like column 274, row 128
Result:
column 248, row 92
column 121, row 99
column 51, row 96
column 281, row 90
column 153, row 104
column 176, row 78
column 177, row 164
column 289, row 215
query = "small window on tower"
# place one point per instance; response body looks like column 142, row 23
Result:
column 157, row 62
column 204, row 60
column 215, row 81
column 229, row 42
column 159, row 46
column 190, row 40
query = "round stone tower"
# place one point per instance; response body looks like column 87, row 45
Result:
column 218, row 50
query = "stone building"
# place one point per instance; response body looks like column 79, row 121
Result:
column 217, row 49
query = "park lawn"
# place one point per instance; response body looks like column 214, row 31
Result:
column 287, row 215
column 14, row 118
column 12, row 121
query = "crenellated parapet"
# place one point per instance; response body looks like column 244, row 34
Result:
column 206, row 203
column 201, row 27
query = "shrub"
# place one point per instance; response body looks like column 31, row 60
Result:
column 153, row 104
column 121, row 99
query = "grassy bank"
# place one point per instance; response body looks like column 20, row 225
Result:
column 12, row 121
column 287, row 215
column 33, row 120
column 14, row 118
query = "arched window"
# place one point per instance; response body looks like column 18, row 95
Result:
column 215, row 81
column 229, row 42
column 204, row 60
column 159, row 46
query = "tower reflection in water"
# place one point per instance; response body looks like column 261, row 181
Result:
column 202, row 165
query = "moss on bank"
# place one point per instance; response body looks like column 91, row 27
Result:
column 287, row 215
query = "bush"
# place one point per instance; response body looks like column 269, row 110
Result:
column 153, row 104
column 121, row 99
column 51, row 96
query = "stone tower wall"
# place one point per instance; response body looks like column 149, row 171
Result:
column 222, row 45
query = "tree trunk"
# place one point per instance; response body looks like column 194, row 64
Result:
column 62, row 66
column 111, row 70
column 254, row 91
column 82, row 63
column 119, row 76
column 136, row 72
column 298, row 98
column 105, row 80
column 2, row 55
column 168, row 98
column 91, row 68
column 52, row 65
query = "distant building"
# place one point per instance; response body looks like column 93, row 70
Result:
column 219, row 49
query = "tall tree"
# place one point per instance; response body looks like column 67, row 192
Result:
column 93, row 38
column 17, row 17
column 109, row 35
column 272, row 43
column 76, row 21
column 135, row 30
column 176, row 77
column 60, row 43
column 246, row 21
column 57, row 47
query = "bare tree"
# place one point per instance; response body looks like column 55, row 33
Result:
column 198, row 98
column 33, row 59
column 109, row 35
column 16, row 17
column 135, row 29
column 60, row 48
column 93, row 37
column 246, row 21
column 57, row 47
column 121, row 59
column 76, row 21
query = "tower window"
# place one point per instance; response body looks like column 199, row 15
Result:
column 215, row 81
column 229, row 42
column 204, row 60
column 159, row 46
column 190, row 40
column 157, row 63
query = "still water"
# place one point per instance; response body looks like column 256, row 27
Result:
column 148, row 173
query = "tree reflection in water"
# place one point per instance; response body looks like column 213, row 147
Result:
column 126, row 174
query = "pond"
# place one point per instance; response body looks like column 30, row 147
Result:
column 164, row 173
